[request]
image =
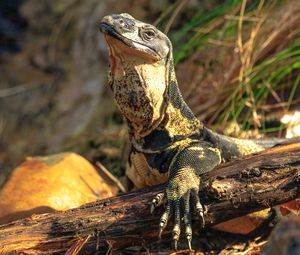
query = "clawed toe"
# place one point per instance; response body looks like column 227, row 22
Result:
column 176, row 228
column 198, row 207
column 176, row 235
column 188, row 235
column 200, row 213
column 157, row 201
column 164, row 220
column 188, row 221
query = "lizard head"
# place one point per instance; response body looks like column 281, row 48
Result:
column 143, row 82
column 139, row 55
column 142, row 39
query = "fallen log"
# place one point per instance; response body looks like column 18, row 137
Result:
column 233, row 189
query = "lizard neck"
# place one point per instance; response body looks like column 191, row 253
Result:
column 148, row 96
column 177, row 121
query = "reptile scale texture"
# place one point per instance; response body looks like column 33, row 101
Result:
column 169, row 144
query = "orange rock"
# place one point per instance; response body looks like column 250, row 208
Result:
column 44, row 184
column 291, row 207
column 245, row 224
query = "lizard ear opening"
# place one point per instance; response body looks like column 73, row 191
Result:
column 164, row 48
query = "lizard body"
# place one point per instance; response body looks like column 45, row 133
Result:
column 169, row 144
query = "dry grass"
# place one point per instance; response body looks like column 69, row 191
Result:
column 246, row 61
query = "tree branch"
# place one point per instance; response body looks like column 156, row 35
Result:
column 239, row 187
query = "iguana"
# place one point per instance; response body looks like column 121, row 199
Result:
column 169, row 144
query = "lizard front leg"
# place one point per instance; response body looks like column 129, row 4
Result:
column 183, row 186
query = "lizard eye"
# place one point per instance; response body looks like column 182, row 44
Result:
column 148, row 34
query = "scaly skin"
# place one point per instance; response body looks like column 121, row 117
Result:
column 169, row 144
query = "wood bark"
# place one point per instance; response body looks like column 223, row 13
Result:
column 233, row 189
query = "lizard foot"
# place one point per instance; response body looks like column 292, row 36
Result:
column 179, row 206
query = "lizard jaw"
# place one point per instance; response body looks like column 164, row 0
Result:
column 139, row 49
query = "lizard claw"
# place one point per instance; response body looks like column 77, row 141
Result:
column 190, row 244
column 160, row 232
column 176, row 228
column 176, row 234
column 187, row 220
column 164, row 219
column 198, row 207
column 188, row 234
column 175, row 245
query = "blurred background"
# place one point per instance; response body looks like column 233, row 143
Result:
column 237, row 62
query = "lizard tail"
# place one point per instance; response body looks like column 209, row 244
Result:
column 234, row 147
column 270, row 142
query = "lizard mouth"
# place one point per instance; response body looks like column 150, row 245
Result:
column 107, row 29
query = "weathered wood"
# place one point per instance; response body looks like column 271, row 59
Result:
column 233, row 189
